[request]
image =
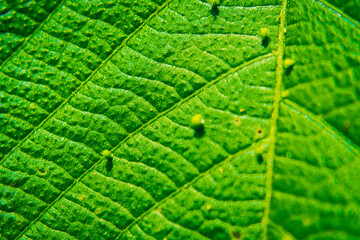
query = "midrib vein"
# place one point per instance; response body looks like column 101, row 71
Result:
column 274, row 117
column 139, row 130
column 88, row 79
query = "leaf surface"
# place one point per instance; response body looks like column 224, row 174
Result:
column 278, row 154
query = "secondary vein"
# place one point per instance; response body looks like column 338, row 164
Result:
column 87, row 80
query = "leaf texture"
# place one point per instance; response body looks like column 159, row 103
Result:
column 278, row 157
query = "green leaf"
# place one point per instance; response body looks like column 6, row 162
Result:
column 97, row 98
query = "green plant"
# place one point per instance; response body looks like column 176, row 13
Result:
column 277, row 156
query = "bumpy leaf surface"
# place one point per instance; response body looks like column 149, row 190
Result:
column 277, row 156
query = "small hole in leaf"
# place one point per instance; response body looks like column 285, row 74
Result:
column 258, row 134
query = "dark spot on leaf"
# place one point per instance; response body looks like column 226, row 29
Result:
column 260, row 158
column 236, row 234
column 199, row 131
column 265, row 42
column 109, row 164
column 214, row 10
column 288, row 70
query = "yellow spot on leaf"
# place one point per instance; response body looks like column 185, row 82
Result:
column 287, row 237
column 197, row 120
column 289, row 62
column 306, row 222
column 259, row 150
column 347, row 125
column 106, row 153
column 264, row 32
column 217, row 2
column 285, row 94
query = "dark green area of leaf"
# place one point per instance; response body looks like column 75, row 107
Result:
column 277, row 154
